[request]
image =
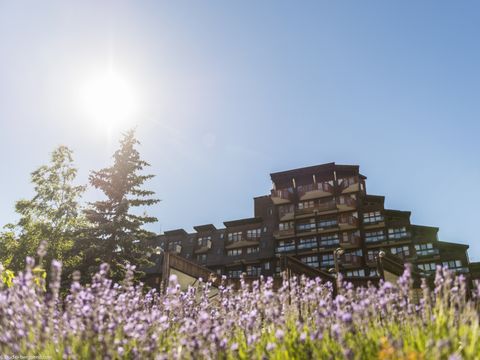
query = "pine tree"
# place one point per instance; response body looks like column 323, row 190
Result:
column 116, row 234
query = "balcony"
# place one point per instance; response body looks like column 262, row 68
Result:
column 203, row 247
column 284, row 233
column 281, row 196
column 395, row 238
column 461, row 270
column 330, row 206
column 349, row 241
column 242, row 242
column 350, row 260
column 176, row 249
column 326, row 206
column 428, row 253
column 315, row 190
column 346, row 202
column 286, row 212
column 349, row 184
column 346, row 222
column 285, row 248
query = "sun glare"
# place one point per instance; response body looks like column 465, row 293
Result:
column 109, row 100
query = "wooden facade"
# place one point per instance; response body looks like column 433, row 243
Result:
column 309, row 213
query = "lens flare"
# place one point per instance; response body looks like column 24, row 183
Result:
column 109, row 100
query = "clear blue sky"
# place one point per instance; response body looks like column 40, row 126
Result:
column 231, row 91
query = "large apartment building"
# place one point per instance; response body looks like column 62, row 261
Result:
column 310, row 213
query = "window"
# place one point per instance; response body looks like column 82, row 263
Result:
column 352, row 256
column 371, row 254
column 452, row 264
column 306, row 226
column 235, row 236
column 286, row 225
column 327, row 223
column 305, row 205
column 329, row 240
column 175, row 246
column 202, row 258
column 400, row 251
column 254, row 270
column 286, row 245
column 234, row 252
column 348, row 181
column 327, row 260
column 306, row 188
column 310, row 261
column 425, row 249
column 253, row 250
column 307, row 243
column 253, row 234
column 203, row 241
column 372, row 217
column 234, row 273
column 267, row 266
column 278, row 269
column 347, row 200
column 427, row 266
column 374, row 236
column 397, row 233
column 373, row 273
column 355, row 273
column 285, row 209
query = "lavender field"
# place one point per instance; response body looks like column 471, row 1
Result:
column 302, row 320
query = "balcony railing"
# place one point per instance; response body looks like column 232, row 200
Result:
column 461, row 270
column 327, row 206
column 203, row 246
column 285, row 211
column 350, row 183
column 176, row 249
column 347, row 221
column 243, row 241
column 287, row 232
column 281, row 196
column 428, row 252
column 305, row 210
column 403, row 255
column 351, row 260
column 350, row 240
column 315, row 190
column 322, row 207
column 347, row 201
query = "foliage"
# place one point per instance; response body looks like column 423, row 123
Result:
column 116, row 234
column 52, row 214
column 302, row 320
column 6, row 276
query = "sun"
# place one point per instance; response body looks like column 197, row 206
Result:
column 109, row 100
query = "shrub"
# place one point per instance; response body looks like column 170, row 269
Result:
column 301, row 320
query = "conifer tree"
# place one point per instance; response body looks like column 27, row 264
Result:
column 116, row 233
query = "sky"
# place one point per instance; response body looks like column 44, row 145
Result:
column 227, row 92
